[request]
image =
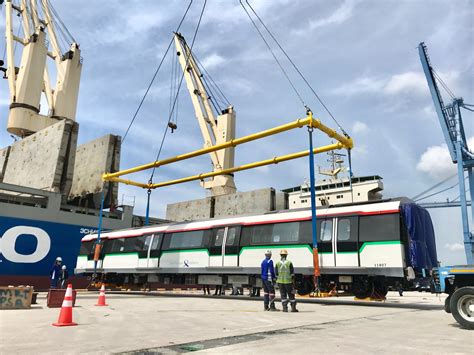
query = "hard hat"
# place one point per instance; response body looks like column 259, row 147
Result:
column 268, row 252
column 283, row 252
column 59, row 259
column 64, row 267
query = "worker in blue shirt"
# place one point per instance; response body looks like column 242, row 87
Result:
column 55, row 272
column 268, row 281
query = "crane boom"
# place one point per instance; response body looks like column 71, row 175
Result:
column 215, row 130
column 453, row 130
column 28, row 82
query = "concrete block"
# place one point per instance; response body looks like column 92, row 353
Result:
column 190, row 210
column 15, row 297
column 281, row 201
column 43, row 160
column 92, row 160
column 4, row 153
column 240, row 203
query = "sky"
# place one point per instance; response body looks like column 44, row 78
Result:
column 360, row 56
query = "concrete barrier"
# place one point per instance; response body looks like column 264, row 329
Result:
column 15, row 297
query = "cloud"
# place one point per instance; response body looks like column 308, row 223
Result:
column 454, row 246
column 213, row 60
column 360, row 85
column 340, row 15
column 436, row 162
column 411, row 83
column 359, row 127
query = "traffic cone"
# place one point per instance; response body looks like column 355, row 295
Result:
column 101, row 300
column 65, row 316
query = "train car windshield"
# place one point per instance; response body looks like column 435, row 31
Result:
column 86, row 247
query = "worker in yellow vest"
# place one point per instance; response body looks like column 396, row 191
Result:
column 285, row 278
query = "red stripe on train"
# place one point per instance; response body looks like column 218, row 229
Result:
column 358, row 213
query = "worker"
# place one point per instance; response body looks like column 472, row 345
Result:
column 55, row 272
column 268, row 281
column 285, row 273
column 63, row 276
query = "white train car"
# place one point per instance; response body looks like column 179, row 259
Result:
column 364, row 248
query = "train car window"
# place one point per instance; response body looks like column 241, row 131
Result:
column 139, row 243
column 347, row 229
column 86, row 247
column 115, row 246
column 260, row 234
column 185, row 240
column 231, row 234
column 379, row 227
column 326, row 230
column 147, row 241
column 156, row 242
column 129, row 245
column 280, row 233
column 306, row 232
column 343, row 229
column 285, row 232
column 219, row 238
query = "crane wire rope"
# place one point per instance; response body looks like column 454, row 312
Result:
column 295, row 67
column 274, row 57
column 221, row 94
column 440, row 191
column 178, row 89
column 154, row 75
column 443, row 84
column 67, row 34
column 433, row 187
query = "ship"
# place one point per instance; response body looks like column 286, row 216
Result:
column 50, row 188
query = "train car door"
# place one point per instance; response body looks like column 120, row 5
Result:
column 326, row 246
column 345, row 243
column 224, row 247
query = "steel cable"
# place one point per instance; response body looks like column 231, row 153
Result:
column 296, row 68
column 154, row 75
column 179, row 87
column 274, row 56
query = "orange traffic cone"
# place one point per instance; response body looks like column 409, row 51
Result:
column 101, row 300
column 65, row 317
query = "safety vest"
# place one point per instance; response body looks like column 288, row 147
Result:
column 284, row 273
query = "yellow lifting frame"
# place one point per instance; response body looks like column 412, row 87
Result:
column 343, row 142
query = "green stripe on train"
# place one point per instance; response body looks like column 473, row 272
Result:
column 361, row 249
column 304, row 246
column 299, row 246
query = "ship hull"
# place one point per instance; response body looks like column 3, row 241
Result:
column 28, row 249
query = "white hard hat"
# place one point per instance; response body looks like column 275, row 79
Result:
column 59, row 258
column 268, row 252
column 64, row 267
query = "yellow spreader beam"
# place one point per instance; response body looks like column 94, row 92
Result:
column 343, row 142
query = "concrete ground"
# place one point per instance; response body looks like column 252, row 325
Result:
column 414, row 323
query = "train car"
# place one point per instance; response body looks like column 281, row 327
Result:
column 363, row 248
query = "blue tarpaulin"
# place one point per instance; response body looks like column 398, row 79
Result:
column 421, row 237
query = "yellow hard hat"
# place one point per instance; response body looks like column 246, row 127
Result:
column 283, row 252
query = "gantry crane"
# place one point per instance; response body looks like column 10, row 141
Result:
column 452, row 125
column 215, row 130
column 26, row 83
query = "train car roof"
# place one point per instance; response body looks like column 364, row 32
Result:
column 365, row 208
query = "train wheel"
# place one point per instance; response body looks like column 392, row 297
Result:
column 380, row 289
column 362, row 287
column 305, row 287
